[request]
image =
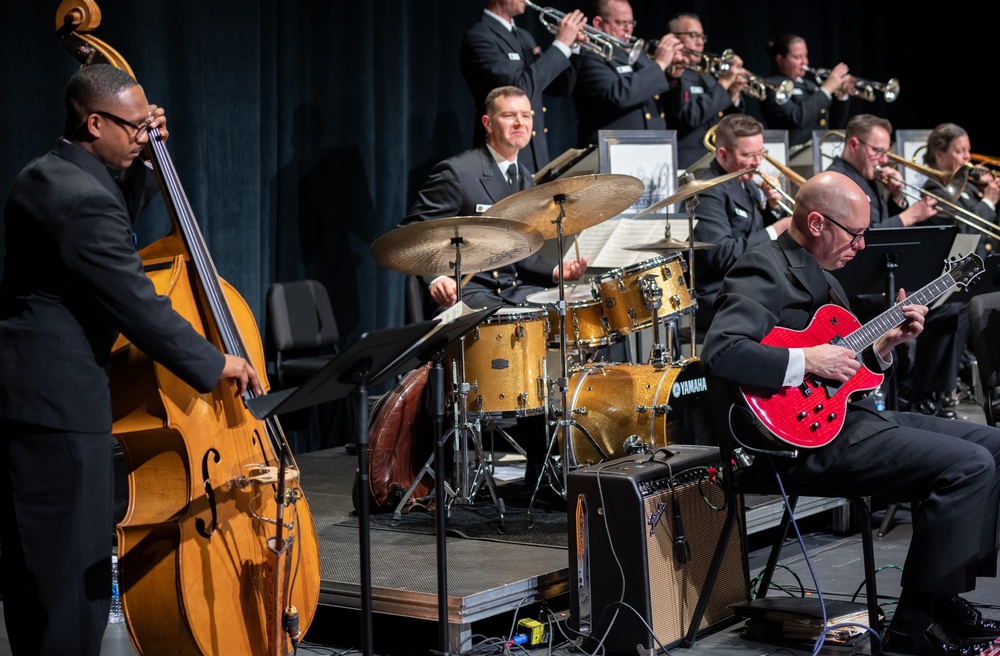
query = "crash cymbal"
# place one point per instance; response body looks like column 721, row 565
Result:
column 587, row 201
column 427, row 248
column 669, row 245
column 691, row 189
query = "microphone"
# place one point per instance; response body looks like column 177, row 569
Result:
column 682, row 550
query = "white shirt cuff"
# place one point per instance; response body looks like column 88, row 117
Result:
column 771, row 232
column 795, row 372
column 565, row 49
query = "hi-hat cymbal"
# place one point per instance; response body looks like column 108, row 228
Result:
column 429, row 248
column 670, row 245
column 586, row 199
column 692, row 188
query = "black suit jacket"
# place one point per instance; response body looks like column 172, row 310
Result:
column 491, row 57
column 616, row 95
column 733, row 223
column 696, row 102
column 807, row 109
column 467, row 184
column 883, row 213
column 72, row 280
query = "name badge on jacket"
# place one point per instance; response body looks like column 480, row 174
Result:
column 514, row 56
column 482, row 208
column 741, row 212
column 797, row 91
column 623, row 69
column 695, row 89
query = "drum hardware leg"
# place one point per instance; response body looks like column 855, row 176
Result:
column 548, row 469
column 427, row 470
column 689, row 207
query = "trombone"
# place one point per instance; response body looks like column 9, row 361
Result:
column 947, row 203
column 789, row 200
column 936, row 174
column 598, row 42
column 861, row 88
column 709, row 142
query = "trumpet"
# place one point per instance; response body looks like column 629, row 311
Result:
column 757, row 88
column 709, row 142
column 864, row 89
column 598, row 42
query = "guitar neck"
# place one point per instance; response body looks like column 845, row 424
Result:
column 866, row 335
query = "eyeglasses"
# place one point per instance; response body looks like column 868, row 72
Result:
column 759, row 154
column 139, row 129
column 624, row 23
column 855, row 236
column 881, row 152
column 697, row 36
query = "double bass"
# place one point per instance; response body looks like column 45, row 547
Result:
column 217, row 550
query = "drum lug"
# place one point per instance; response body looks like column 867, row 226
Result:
column 475, row 334
column 661, row 408
column 675, row 301
column 520, row 330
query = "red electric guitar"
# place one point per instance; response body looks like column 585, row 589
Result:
column 811, row 414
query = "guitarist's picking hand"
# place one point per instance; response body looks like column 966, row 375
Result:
column 831, row 362
column 913, row 325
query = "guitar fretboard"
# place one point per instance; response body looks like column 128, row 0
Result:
column 866, row 335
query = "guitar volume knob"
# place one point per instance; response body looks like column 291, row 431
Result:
column 814, row 427
column 801, row 415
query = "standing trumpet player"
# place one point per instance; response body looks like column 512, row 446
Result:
column 812, row 106
column 697, row 100
column 616, row 94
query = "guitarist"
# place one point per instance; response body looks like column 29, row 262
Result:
column 950, row 466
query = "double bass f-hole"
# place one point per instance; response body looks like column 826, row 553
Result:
column 199, row 523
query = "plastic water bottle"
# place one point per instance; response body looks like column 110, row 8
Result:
column 116, row 616
column 879, row 397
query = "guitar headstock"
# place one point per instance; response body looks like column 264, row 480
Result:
column 963, row 271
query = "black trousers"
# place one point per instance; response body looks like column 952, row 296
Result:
column 56, row 526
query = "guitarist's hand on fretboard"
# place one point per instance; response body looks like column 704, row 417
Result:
column 831, row 362
column 912, row 326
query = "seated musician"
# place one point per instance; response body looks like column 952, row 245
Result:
column 735, row 215
column 468, row 184
column 950, row 467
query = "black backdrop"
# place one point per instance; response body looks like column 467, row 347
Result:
column 301, row 130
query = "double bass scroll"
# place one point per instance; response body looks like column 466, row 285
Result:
column 217, row 550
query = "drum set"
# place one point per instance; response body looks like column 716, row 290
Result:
column 595, row 411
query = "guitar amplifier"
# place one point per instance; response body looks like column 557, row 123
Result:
column 626, row 579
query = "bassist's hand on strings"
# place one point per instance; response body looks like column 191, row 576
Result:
column 239, row 372
column 913, row 325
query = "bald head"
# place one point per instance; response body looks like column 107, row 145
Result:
column 829, row 208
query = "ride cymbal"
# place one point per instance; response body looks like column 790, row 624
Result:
column 670, row 245
column 691, row 189
column 586, row 199
column 430, row 248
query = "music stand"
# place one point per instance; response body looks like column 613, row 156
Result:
column 893, row 258
column 376, row 357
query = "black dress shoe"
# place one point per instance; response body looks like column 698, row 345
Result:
column 933, row 408
column 934, row 641
column 964, row 620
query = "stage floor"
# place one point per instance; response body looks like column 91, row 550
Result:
column 493, row 582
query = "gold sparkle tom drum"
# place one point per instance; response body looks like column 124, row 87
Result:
column 505, row 363
column 584, row 318
column 624, row 293
column 623, row 404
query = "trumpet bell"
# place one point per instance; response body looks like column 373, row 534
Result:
column 783, row 92
column 891, row 91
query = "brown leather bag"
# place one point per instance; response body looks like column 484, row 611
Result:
column 400, row 440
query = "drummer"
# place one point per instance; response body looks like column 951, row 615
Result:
column 468, row 183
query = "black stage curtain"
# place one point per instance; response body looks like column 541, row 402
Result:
column 301, row 130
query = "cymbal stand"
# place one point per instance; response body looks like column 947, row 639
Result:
column 689, row 206
column 462, row 430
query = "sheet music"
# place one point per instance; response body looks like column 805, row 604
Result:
column 604, row 244
column 962, row 246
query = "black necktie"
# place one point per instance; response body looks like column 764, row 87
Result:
column 512, row 177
